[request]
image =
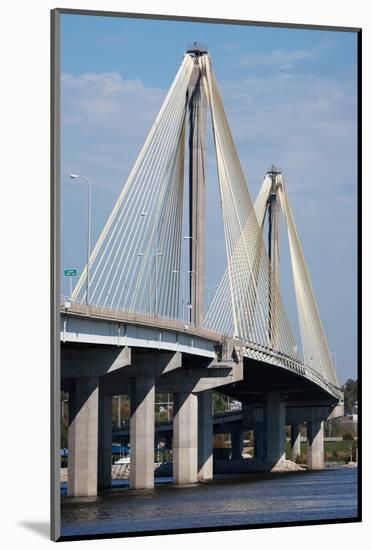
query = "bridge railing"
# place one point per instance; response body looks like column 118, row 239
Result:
column 66, row 303
column 250, row 349
column 298, row 367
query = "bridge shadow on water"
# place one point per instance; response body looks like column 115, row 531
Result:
column 229, row 500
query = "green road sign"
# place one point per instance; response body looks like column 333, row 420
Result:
column 70, row 272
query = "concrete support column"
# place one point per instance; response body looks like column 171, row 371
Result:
column 142, row 432
column 185, row 459
column 168, row 436
column 259, row 441
column 275, row 420
column 295, row 441
column 205, row 435
column 83, row 438
column 315, row 445
column 236, row 444
column 105, row 441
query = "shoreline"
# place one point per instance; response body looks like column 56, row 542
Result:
column 237, row 466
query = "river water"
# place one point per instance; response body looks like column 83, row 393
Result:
column 245, row 500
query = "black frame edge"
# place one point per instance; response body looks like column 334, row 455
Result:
column 55, row 509
column 55, row 530
column 195, row 19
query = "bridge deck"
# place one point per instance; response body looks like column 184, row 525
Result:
column 102, row 326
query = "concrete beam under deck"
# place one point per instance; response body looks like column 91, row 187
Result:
column 93, row 362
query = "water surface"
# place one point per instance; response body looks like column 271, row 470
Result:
column 244, row 500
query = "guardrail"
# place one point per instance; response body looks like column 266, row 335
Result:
column 249, row 349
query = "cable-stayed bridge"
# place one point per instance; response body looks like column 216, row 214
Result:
column 124, row 330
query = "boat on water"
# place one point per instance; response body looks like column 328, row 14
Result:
column 123, row 460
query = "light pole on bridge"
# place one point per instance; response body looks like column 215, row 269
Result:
column 76, row 176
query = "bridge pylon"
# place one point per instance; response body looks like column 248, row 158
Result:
column 197, row 109
column 273, row 209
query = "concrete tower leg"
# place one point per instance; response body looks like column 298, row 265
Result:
column 275, row 420
column 197, row 149
column 83, row 438
column 185, row 459
column 315, row 445
column 105, row 441
column 205, row 435
column 237, row 443
column 142, row 432
column 295, row 441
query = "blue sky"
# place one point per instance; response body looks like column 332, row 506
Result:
column 290, row 97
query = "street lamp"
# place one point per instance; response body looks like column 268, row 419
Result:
column 75, row 176
column 187, row 237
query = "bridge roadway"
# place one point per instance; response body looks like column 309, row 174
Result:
column 108, row 352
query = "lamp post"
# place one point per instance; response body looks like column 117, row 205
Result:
column 76, row 176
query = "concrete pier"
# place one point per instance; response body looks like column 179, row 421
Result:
column 205, row 435
column 185, row 456
column 295, row 441
column 83, row 437
column 259, row 447
column 104, row 441
column 315, row 445
column 275, row 426
column 142, row 432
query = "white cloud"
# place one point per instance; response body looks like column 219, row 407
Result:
column 276, row 57
column 284, row 59
column 307, row 123
column 105, row 119
column 107, row 101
